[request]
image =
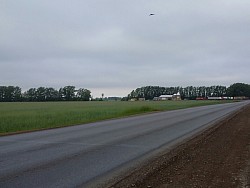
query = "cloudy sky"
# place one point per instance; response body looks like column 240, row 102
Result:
column 114, row 46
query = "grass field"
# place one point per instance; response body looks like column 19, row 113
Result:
column 15, row 117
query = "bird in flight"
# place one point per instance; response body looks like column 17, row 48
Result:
column 151, row 14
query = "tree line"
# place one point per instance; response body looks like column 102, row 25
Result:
column 70, row 93
column 192, row 92
column 67, row 93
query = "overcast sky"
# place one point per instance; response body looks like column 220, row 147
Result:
column 114, row 46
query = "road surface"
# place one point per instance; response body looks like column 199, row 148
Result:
column 86, row 155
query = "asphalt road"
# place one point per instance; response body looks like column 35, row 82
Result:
column 81, row 156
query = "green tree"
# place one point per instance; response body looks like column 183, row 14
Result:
column 2, row 93
column 67, row 93
column 51, row 94
column 83, row 94
column 10, row 93
column 30, row 95
column 17, row 94
column 239, row 89
column 41, row 94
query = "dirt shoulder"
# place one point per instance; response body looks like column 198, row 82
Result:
column 219, row 157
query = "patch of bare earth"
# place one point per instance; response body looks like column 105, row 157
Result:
column 219, row 157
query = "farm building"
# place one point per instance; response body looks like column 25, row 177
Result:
column 214, row 98
column 168, row 97
column 220, row 98
column 176, row 97
column 141, row 99
column 165, row 97
column 241, row 98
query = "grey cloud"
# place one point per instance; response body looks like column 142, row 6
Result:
column 115, row 44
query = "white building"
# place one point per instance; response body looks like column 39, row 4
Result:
column 168, row 97
column 165, row 97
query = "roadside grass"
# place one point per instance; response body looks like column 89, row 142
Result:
column 24, row 116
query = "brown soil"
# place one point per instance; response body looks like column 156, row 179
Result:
column 219, row 157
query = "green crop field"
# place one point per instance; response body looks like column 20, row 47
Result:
column 26, row 116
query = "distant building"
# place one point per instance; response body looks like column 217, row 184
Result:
column 201, row 98
column 241, row 98
column 114, row 98
column 165, row 97
column 156, row 98
column 175, row 97
column 214, row 98
column 227, row 98
column 141, row 99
